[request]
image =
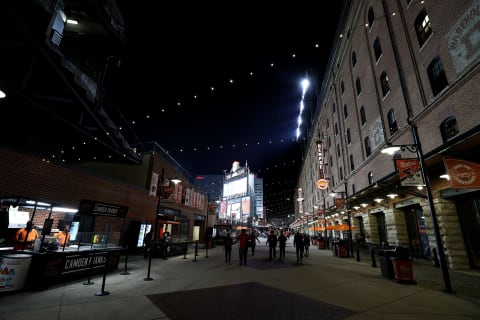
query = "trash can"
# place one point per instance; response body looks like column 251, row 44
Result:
column 402, row 266
column 13, row 271
column 386, row 263
column 321, row 243
column 342, row 249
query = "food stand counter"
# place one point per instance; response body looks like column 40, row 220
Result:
column 53, row 264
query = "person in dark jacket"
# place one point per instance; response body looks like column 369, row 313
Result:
column 272, row 245
column 227, row 247
column 253, row 241
column 306, row 245
column 298, row 245
column 282, row 243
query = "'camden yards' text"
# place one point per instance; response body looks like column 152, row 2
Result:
column 84, row 262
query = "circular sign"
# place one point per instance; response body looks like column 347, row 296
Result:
column 322, row 184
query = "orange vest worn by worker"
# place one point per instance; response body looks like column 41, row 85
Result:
column 62, row 237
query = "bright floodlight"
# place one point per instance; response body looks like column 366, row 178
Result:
column 305, row 84
column 390, row 150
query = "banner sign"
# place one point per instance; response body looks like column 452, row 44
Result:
column 102, row 209
column 463, row 174
column 153, row 184
column 410, row 173
column 322, row 182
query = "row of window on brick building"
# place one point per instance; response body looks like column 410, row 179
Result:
column 438, row 82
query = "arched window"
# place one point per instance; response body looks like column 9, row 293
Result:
column 436, row 75
column 423, row 27
column 341, row 173
column 342, row 87
column 359, row 86
column 371, row 18
column 339, row 154
column 384, row 84
column 336, row 129
column 345, row 111
column 368, row 149
column 354, row 59
column 363, row 118
column 349, row 138
column 334, row 108
column 392, row 121
column 377, row 49
column 352, row 163
column 448, row 128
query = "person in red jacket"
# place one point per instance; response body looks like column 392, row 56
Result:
column 243, row 240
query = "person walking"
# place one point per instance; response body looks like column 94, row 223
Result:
column 306, row 245
column 298, row 245
column 227, row 247
column 243, row 239
column 272, row 245
column 282, row 243
column 253, row 241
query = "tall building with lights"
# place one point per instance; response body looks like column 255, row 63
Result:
column 239, row 205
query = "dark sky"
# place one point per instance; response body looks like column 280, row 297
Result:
column 181, row 50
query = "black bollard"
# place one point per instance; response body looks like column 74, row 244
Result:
column 103, row 292
column 88, row 282
column 196, row 252
column 125, row 269
column 358, row 253
column 185, row 252
column 374, row 263
column 435, row 258
column 149, row 266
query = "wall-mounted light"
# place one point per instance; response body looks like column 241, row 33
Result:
column 364, row 205
column 445, row 176
column 176, row 180
column 378, row 200
column 392, row 195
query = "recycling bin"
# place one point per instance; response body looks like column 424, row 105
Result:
column 13, row 271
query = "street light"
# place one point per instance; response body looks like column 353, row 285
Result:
column 154, row 239
column 349, row 224
column 417, row 148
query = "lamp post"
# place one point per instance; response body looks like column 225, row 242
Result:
column 349, row 224
column 154, row 238
column 417, row 149
column 325, row 218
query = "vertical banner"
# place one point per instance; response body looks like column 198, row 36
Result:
column 410, row 173
column 340, row 203
column 322, row 182
column 153, row 184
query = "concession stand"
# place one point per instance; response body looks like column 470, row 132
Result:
column 93, row 247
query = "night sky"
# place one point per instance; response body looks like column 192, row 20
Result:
column 176, row 54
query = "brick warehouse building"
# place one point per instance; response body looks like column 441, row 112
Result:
column 402, row 73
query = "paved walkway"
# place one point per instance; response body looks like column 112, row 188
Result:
column 201, row 287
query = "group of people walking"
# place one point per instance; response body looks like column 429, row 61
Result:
column 300, row 242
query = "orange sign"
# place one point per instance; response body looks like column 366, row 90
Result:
column 322, row 184
column 409, row 171
column 463, row 174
